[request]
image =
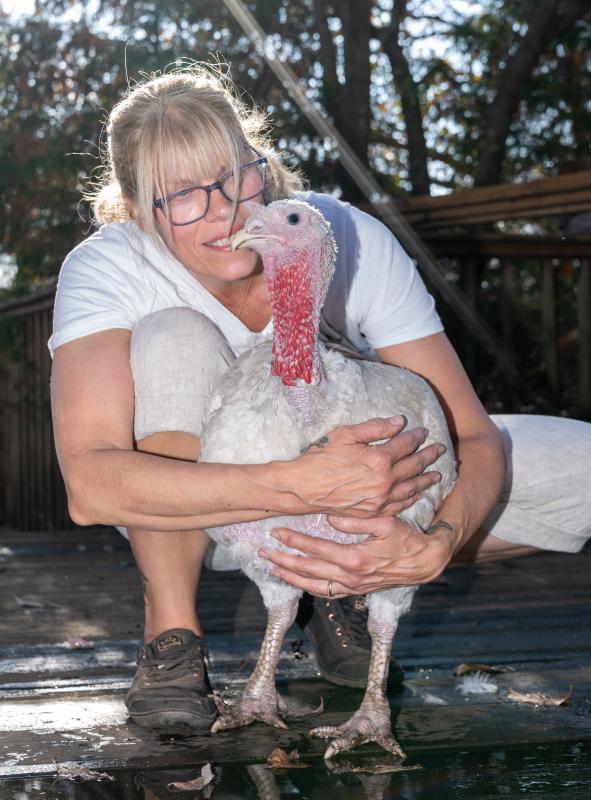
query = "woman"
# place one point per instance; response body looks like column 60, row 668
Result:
column 149, row 312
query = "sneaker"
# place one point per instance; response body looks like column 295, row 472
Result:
column 338, row 632
column 170, row 689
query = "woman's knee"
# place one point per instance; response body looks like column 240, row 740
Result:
column 177, row 357
column 546, row 500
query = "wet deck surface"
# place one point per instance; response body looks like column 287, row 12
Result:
column 531, row 616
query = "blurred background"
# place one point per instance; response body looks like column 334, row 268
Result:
column 475, row 117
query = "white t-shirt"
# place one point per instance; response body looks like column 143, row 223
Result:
column 118, row 275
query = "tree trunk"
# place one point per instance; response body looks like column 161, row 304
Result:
column 355, row 111
column 328, row 56
column 348, row 103
column 418, row 169
column 548, row 19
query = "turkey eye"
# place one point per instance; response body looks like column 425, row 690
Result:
column 293, row 219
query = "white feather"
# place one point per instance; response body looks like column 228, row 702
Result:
column 476, row 683
column 434, row 700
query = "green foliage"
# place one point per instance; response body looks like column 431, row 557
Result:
column 49, row 97
column 553, row 123
column 62, row 69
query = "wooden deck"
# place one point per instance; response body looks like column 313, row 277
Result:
column 531, row 616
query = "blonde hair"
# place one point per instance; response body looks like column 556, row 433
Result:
column 187, row 124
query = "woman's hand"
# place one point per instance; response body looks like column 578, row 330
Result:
column 394, row 554
column 343, row 472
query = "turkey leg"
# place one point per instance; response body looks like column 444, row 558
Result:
column 260, row 700
column 371, row 721
column 264, row 781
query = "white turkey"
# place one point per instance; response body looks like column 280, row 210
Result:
column 271, row 404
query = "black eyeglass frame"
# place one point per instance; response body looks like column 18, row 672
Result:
column 211, row 187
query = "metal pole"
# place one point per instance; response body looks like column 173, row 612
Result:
column 381, row 202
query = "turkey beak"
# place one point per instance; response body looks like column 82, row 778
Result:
column 245, row 238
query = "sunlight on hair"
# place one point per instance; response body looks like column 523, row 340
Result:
column 183, row 126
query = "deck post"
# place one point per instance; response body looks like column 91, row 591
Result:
column 549, row 326
column 584, row 314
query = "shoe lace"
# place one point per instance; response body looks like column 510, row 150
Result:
column 173, row 667
column 352, row 617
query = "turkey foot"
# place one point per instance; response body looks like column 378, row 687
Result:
column 366, row 725
column 264, row 781
column 371, row 721
column 260, row 700
column 269, row 708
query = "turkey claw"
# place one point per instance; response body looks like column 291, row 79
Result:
column 248, row 710
column 349, row 737
column 305, row 711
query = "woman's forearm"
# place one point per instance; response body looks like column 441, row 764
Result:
column 117, row 486
column 140, row 490
column 481, row 469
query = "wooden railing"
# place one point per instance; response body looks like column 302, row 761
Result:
column 534, row 293
column 544, row 198
column 32, row 494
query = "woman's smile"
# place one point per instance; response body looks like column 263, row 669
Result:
column 223, row 243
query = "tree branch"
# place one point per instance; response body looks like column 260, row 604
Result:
column 548, row 19
column 434, row 155
column 378, row 138
column 409, row 100
column 327, row 50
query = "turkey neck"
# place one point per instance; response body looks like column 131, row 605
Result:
column 295, row 293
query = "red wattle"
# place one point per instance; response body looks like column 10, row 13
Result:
column 295, row 321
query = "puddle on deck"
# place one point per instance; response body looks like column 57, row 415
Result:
column 551, row 772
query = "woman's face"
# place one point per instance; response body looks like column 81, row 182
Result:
column 203, row 246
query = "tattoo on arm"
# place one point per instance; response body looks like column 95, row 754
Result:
column 441, row 523
column 318, row 443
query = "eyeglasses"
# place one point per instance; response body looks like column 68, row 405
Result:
column 192, row 204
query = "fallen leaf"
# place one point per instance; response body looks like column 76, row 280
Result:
column 197, row 783
column 81, row 774
column 279, row 759
column 566, row 700
column 23, row 603
column 540, row 699
column 462, row 669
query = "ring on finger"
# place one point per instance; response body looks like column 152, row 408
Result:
column 329, row 589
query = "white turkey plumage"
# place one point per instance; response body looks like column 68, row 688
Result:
column 271, row 404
